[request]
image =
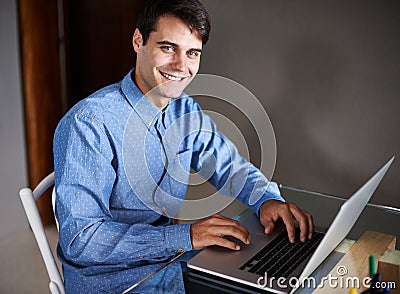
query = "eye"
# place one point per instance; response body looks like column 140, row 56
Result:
column 193, row 53
column 167, row 48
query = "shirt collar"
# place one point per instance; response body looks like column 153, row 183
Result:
column 144, row 108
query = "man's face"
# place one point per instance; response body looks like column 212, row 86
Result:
column 169, row 60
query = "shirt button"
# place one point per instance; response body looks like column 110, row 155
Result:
column 149, row 123
column 180, row 250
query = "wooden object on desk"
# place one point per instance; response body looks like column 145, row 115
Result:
column 356, row 260
column 389, row 268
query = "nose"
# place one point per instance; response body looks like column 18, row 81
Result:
column 179, row 62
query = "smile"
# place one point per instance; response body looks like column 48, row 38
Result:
column 172, row 78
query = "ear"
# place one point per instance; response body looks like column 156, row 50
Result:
column 137, row 40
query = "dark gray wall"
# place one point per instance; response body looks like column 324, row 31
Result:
column 13, row 174
column 328, row 74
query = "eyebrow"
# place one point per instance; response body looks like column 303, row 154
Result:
column 177, row 46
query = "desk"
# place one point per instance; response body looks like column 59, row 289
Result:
column 174, row 278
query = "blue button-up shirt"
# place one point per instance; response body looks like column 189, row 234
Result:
column 121, row 171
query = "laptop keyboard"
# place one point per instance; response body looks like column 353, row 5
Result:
column 280, row 257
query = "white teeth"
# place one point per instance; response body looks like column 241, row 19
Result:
column 172, row 78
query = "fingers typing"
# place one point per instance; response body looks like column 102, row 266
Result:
column 211, row 231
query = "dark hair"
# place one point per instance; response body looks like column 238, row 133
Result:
column 192, row 12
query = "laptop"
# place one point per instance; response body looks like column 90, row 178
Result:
column 267, row 258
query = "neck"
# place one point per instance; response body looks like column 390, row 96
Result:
column 159, row 101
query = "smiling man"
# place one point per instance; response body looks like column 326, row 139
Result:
column 167, row 60
column 120, row 177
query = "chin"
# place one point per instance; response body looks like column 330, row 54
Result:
column 172, row 93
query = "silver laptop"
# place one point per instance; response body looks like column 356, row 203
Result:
column 268, row 258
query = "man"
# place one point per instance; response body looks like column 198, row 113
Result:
column 118, row 180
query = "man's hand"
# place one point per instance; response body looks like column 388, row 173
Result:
column 210, row 231
column 272, row 210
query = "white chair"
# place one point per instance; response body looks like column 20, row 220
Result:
column 29, row 199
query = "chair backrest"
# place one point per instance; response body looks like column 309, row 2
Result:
column 29, row 198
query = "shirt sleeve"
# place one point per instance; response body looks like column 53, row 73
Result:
column 84, row 177
column 232, row 175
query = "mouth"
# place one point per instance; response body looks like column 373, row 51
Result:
column 173, row 77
